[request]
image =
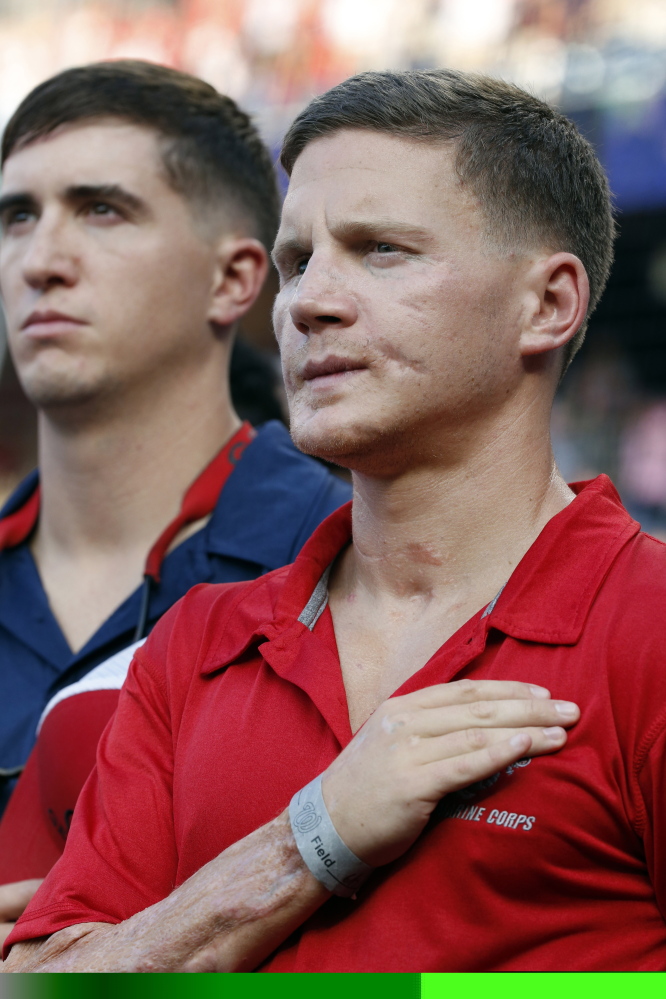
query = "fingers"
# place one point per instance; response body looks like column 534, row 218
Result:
column 472, row 740
column 436, row 721
column 417, row 748
column 498, row 714
column 466, row 691
column 458, row 772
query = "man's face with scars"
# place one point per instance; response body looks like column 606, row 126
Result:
column 395, row 310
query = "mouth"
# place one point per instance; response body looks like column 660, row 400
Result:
column 330, row 369
column 49, row 322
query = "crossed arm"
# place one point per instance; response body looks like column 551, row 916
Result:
column 228, row 916
column 380, row 792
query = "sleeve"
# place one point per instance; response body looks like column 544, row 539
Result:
column 107, row 874
column 652, row 781
column 28, row 849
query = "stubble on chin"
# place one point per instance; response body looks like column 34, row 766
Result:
column 363, row 445
column 64, row 391
column 321, row 435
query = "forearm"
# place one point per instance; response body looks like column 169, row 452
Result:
column 228, row 917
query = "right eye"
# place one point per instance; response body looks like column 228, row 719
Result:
column 102, row 210
column 302, row 265
column 16, row 217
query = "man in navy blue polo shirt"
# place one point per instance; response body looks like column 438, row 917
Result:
column 137, row 207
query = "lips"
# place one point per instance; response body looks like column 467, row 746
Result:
column 330, row 365
column 48, row 320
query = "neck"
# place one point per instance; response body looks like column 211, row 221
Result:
column 113, row 480
column 456, row 529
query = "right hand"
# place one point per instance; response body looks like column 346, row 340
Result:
column 415, row 749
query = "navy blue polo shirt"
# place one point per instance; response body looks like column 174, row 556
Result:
column 267, row 509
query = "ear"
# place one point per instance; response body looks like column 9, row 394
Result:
column 560, row 294
column 240, row 271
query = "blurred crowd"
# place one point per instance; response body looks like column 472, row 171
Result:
column 272, row 55
column 604, row 420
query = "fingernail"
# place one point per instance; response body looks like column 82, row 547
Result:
column 539, row 691
column 554, row 734
column 566, row 708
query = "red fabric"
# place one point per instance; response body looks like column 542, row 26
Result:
column 34, row 827
column 17, row 526
column 201, row 497
column 233, row 705
column 27, row 848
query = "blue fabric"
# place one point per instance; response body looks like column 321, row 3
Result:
column 268, row 508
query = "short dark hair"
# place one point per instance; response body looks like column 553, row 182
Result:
column 211, row 151
column 538, row 180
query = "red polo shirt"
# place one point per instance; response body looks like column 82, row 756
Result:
column 555, row 864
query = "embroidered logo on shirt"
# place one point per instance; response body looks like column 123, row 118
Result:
column 453, row 808
column 482, row 785
column 477, row 813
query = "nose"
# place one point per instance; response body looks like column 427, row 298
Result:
column 322, row 300
column 49, row 258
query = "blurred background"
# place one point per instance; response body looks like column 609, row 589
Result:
column 602, row 61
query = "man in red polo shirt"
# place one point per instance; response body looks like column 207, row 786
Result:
column 390, row 708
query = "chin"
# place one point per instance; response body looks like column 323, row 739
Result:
column 323, row 434
column 60, row 391
column 332, row 447
column 363, row 445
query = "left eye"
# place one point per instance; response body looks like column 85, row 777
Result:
column 101, row 208
column 385, row 248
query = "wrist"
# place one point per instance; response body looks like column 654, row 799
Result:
column 323, row 850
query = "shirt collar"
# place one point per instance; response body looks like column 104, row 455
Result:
column 260, row 515
column 21, row 494
column 550, row 593
column 547, row 598
column 255, row 614
column 259, row 512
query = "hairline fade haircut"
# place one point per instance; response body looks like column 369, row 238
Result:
column 211, row 152
column 537, row 178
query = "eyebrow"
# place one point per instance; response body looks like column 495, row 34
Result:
column 21, row 198
column 357, row 229
column 288, row 247
column 106, row 192
column 80, row 192
column 379, row 226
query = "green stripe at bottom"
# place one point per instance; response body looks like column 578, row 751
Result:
column 509, row 985
column 545, row 985
column 239, row 986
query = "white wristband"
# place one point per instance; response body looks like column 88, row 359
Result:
column 327, row 857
